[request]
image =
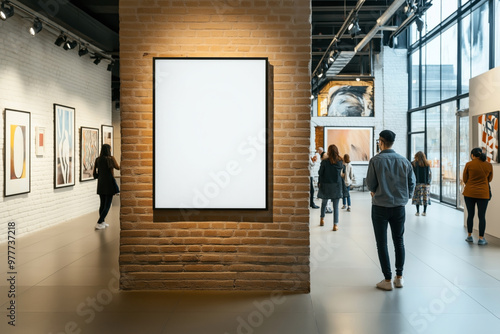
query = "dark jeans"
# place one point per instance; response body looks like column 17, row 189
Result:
column 482, row 205
column 395, row 217
column 106, row 201
column 335, row 206
column 311, row 193
column 348, row 197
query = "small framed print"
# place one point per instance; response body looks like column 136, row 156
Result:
column 39, row 141
column 64, row 146
column 107, row 136
column 89, row 151
column 17, row 152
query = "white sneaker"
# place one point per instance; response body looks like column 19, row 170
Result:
column 398, row 282
column 100, row 226
column 105, row 224
column 384, row 285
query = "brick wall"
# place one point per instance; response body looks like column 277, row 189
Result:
column 35, row 73
column 227, row 251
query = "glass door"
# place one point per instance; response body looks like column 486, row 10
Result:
column 462, row 151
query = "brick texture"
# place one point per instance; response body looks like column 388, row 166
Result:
column 229, row 251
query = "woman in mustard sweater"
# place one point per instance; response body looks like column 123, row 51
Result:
column 478, row 173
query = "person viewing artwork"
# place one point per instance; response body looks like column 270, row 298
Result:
column 104, row 168
column 477, row 175
column 348, row 179
column 423, row 176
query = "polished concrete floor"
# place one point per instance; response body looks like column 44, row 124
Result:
column 66, row 283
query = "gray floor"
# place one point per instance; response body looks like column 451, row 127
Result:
column 66, row 283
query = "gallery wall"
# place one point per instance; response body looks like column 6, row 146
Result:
column 483, row 99
column 225, row 250
column 35, row 74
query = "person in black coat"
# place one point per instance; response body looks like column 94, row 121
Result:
column 330, row 183
column 422, row 193
column 106, row 184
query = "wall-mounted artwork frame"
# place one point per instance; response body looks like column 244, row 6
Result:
column 39, row 141
column 107, row 136
column 347, row 99
column 355, row 141
column 64, row 146
column 212, row 154
column 487, row 131
column 17, row 177
column 89, row 151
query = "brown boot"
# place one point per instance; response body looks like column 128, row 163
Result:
column 335, row 227
column 321, row 222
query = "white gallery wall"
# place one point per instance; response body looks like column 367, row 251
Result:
column 484, row 91
column 35, row 74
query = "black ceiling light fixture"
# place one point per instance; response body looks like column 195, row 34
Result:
column 6, row 10
column 97, row 59
column 353, row 28
column 60, row 40
column 36, row 27
column 110, row 66
column 70, row 45
column 83, row 51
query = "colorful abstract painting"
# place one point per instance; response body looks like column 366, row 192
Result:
column 89, row 151
column 488, row 135
column 17, row 152
column 355, row 141
column 64, row 143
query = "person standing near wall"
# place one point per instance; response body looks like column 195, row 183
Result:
column 348, row 179
column 422, row 194
column 477, row 175
column 391, row 181
column 314, row 162
column 104, row 168
column 330, row 184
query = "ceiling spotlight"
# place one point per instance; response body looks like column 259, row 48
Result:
column 420, row 23
column 320, row 74
column 36, row 27
column 97, row 60
column 358, row 79
column 355, row 30
column 110, row 66
column 70, row 45
column 60, row 40
column 83, row 51
column 6, row 10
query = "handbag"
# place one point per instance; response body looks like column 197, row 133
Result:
column 117, row 189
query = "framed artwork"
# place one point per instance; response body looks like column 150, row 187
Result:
column 64, row 146
column 39, row 140
column 17, row 160
column 107, row 136
column 89, row 151
column 355, row 141
column 488, row 135
column 346, row 99
column 232, row 146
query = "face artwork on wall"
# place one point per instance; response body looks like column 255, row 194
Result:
column 89, row 151
column 488, row 135
column 355, row 141
column 17, row 152
column 64, row 143
column 346, row 99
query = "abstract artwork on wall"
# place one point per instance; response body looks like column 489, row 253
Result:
column 39, row 141
column 64, row 146
column 355, row 141
column 89, row 151
column 17, row 152
column 488, row 135
column 346, row 99
column 107, row 136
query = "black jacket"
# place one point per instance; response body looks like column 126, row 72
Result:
column 105, row 178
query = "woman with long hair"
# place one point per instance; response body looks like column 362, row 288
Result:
column 423, row 176
column 330, row 184
column 104, row 168
column 477, row 175
column 348, row 178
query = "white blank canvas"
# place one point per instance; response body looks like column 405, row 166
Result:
column 210, row 133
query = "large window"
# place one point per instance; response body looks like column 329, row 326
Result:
column 465, row 53
column 449, row 63
column 497, row 32
column 415, row 80
column 433, row 148
column 480, row 31
column 448, row 152
column 433, row 15
column 448, row 8
column 432, row 71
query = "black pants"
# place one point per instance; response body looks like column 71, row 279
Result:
column 106, row 201
column 395, row 217
column 482, row 205
column 311, row 192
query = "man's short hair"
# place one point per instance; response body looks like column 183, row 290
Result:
column 388, row 136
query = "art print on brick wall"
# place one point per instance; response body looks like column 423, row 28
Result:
column 89, row 151
column 17, row 152
column 488, row 135
column 64, row 146
column 346, row 99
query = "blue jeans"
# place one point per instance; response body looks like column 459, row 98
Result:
column 348, row 197
column 106, row 201
column 395, row 217
column 482, row 205
column 335, row 205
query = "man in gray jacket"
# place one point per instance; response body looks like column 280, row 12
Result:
column 391, row 181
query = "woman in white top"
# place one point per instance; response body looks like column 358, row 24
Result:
column 348, row 177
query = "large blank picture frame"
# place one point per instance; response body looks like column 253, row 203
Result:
column 210, row 138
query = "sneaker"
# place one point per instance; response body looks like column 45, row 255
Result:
column 100, row 226
column 314, row 206
column 349, row 209
column 398, row 282
column 469, row 239
column 329, row 211
column 384, row 285
column 417, row 214
column 482, row 241
column 343, row 207
column 423, row 213
column 105, row 224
